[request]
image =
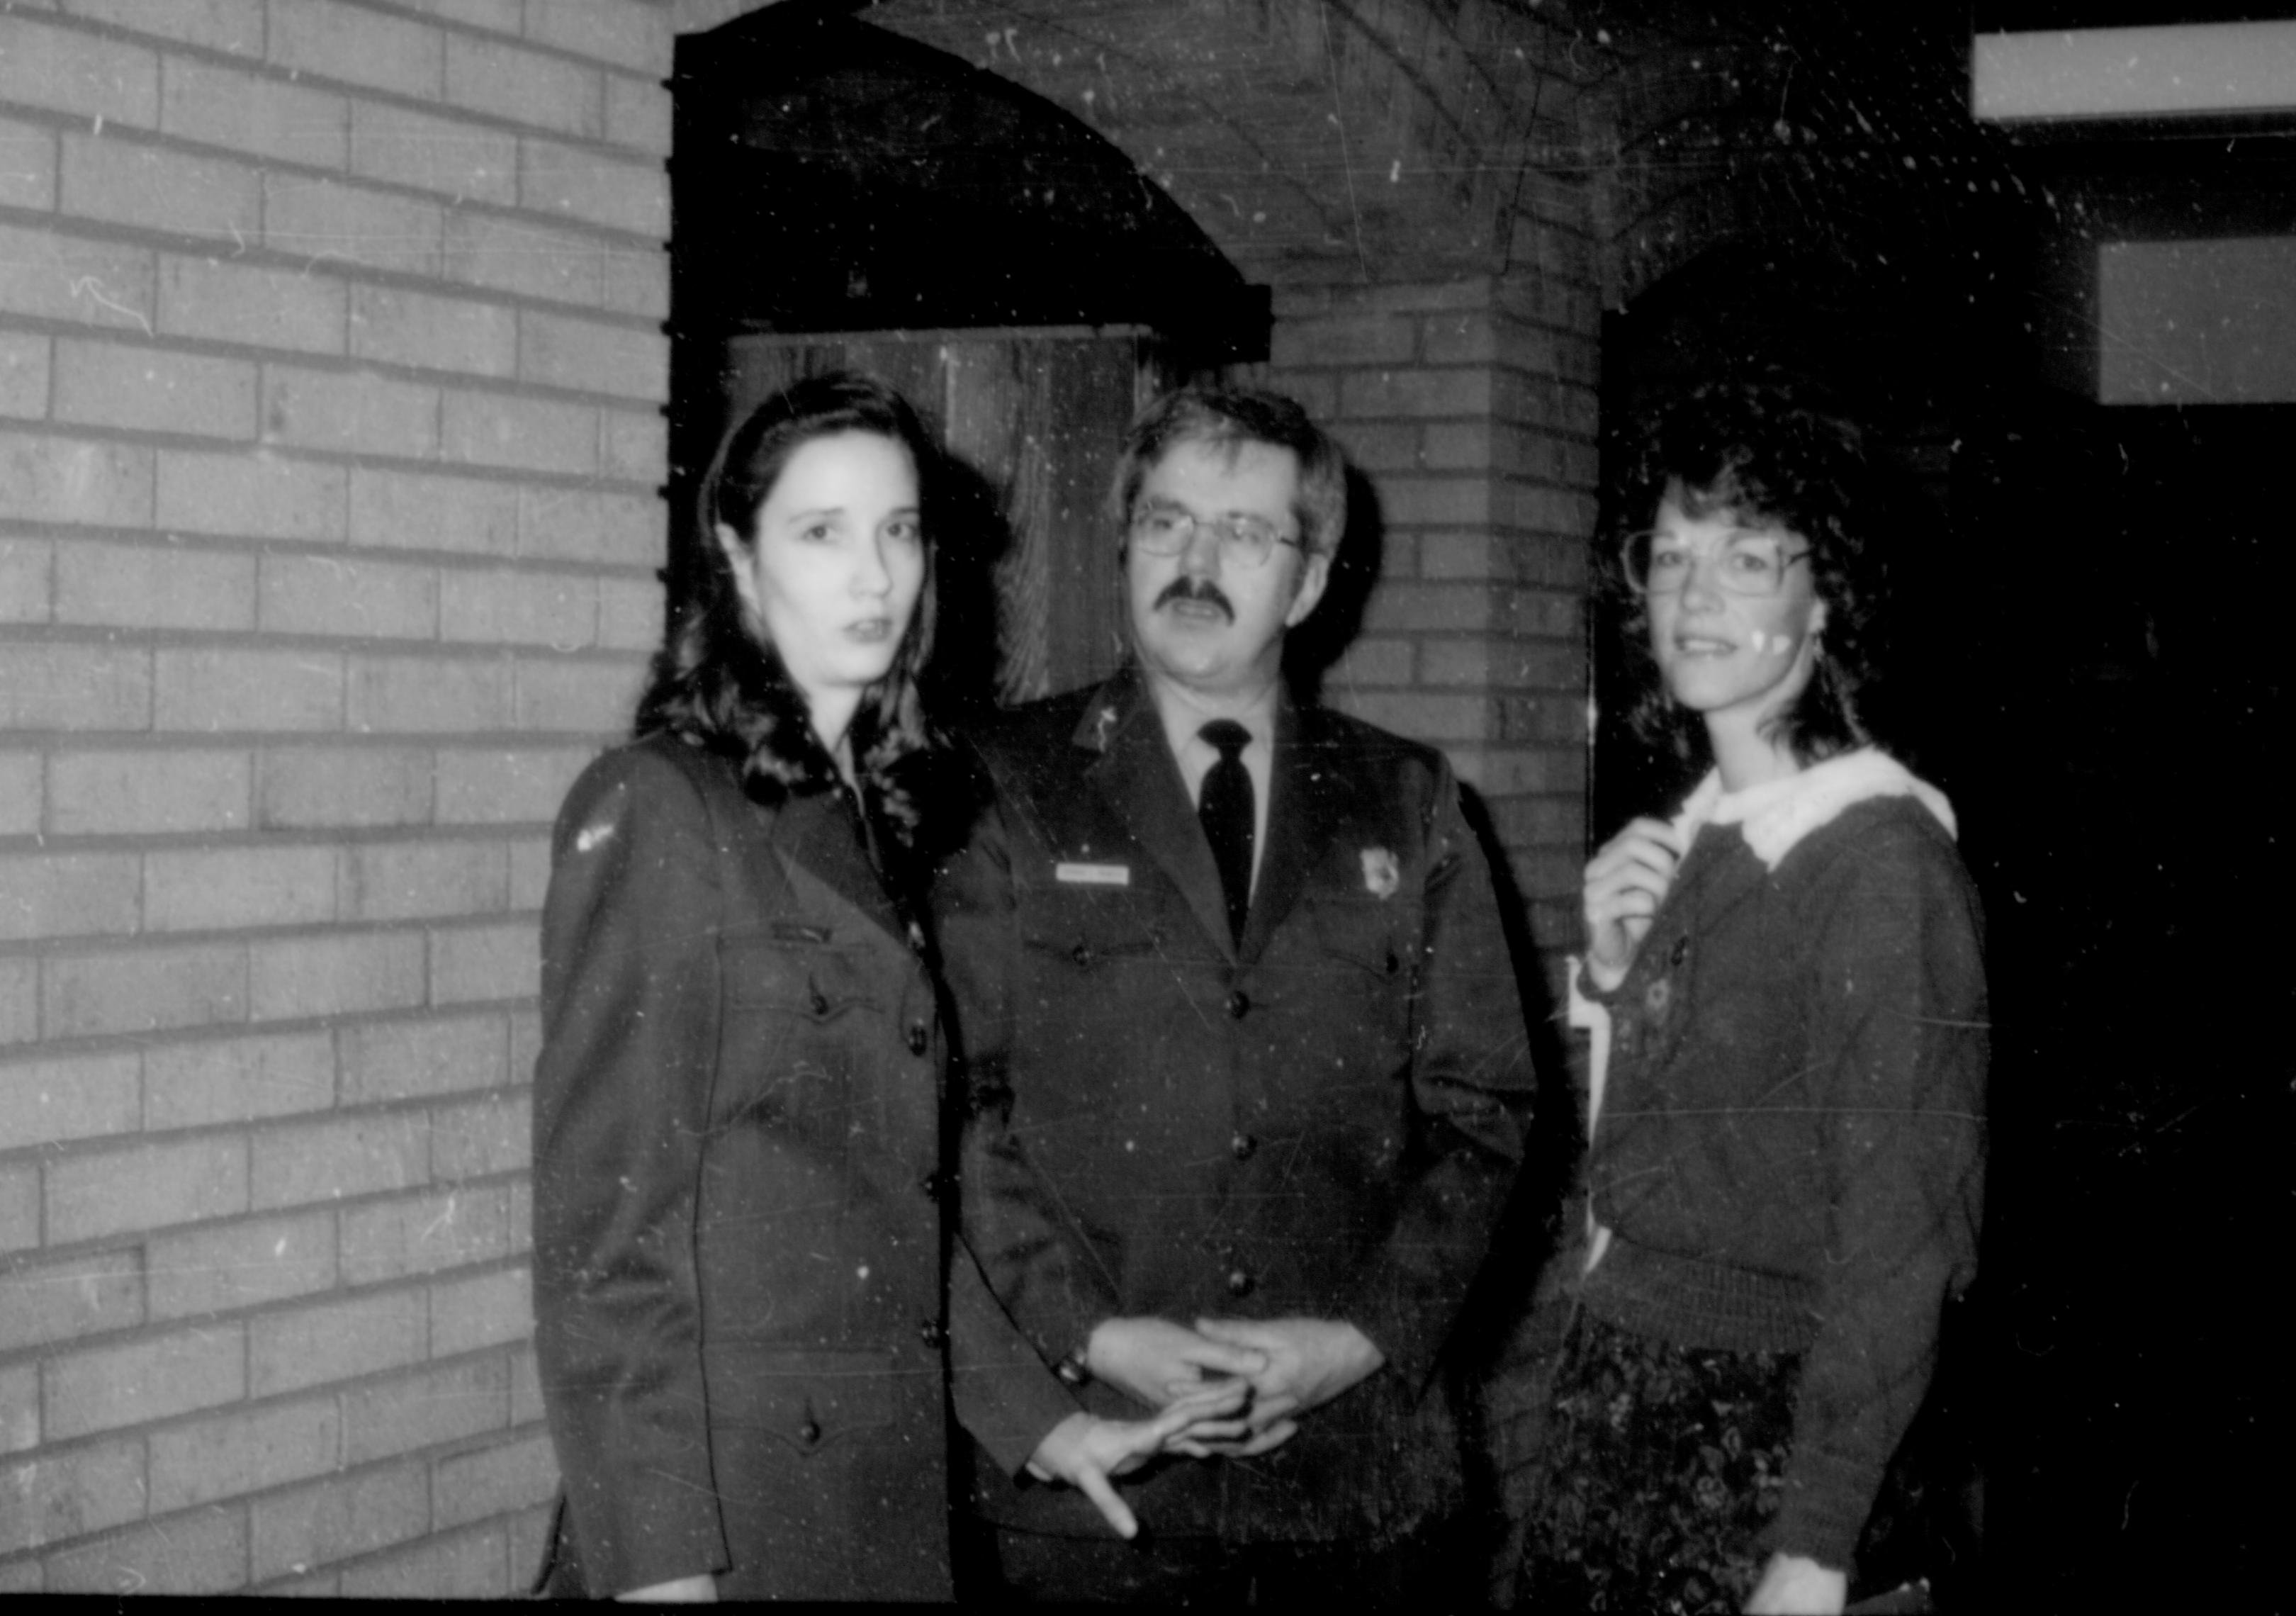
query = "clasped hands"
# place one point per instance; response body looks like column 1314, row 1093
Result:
column 1227, row 1387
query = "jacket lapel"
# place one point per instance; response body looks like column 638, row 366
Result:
column 817, row 832
column 1140, row 780
column 1306, row 794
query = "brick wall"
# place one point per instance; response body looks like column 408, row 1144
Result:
column 1470, row 407
column 331, row 376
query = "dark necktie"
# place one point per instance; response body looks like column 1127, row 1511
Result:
column 1225, row 811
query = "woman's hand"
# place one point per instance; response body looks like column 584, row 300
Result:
column 699, row 1589
column 1085, row 1451
column 1626, row 881
column 1795, row 1585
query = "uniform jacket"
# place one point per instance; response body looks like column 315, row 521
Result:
column 739, row 1181
column 1321, row 1121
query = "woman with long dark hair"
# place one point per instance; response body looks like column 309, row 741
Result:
column 1786, row 986
column 738, row 1250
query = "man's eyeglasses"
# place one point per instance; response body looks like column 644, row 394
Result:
column 1749, row 564
column 1245, row 541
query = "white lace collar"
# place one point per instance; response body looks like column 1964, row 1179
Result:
column 1776, row 815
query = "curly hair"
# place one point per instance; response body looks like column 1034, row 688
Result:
column 1228, row 418
column 716, row 683
column 1770, row 454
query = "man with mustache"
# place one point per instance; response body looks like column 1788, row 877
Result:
column 1244, row 1067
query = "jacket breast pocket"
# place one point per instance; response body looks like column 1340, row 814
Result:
column 1362, row 977
column 1094, row 932
column 797, row 1012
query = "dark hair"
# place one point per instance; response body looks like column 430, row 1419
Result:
column 717, row 685
column 1229, row 418
column 1768, row 454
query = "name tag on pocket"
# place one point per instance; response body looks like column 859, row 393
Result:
column 1092, row 874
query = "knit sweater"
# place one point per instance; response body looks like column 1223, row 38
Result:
column 1788, row 1143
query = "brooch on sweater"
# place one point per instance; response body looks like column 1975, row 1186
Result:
column 1381, row 874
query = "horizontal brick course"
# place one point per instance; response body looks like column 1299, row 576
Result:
column 405, row 881
column 357, row 45
column 55, row 276
column 484, row 786
column 334, row 1341
column 490, row 1480
column 474, row 964
column 581, row 695
column 308, row 1527
column 202, row 1552
column 414, row 510
column 143, row 989
column 24, row 363
column 451, row 156
column 253, row 113
column 518, row 434
column 523, row 608
column 578, row 182
column 243, row 1452
column 305, row 788
column 317, row 219
column 336, row 974
column 345, row 598
column 154, row 586
column 47, row 479
column 79, row 1491
column 518, row 256
column 241, row 689
column 202, row 890
column 234, row 27
column 240, row 1265
column 300, row 1164
column 592, row 357
column 22, row 784
column 505, row 80
column 239, row 1079
column 153, row 188
column 84, row 1096
column 61, row 685
column 145, row 1187
column 259, row 497
column 449, row 1566
column 349, row 410
column 65, row 71
column 395, row 326
column 411, row 694
column 401, row 1059
column 632, row 35
column 134, row 792
column 48, row 894
column 486, row 1137
column 58, row 1302
column 108, row 1388
column 620, row 529
column 482, row 1310
column 424, row 1234
column 438, row 1405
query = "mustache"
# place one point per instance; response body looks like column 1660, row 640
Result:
column 1194, row 589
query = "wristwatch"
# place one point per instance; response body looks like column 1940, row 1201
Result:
column 1075, row 1369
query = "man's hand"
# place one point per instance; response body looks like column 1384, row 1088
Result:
column 1087, row 1451
column 1308, row 1362
column 1156, row 1361
column 1795, row 1585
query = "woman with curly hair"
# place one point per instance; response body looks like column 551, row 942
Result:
column 1787, row 996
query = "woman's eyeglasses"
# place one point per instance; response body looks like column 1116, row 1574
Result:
column 1245, row 541
column 1748, row 564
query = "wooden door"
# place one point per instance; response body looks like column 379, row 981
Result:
column 1030, row 593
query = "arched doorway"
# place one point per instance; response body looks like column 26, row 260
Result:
column 844, row 196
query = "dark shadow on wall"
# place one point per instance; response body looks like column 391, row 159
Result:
column 1310, row 650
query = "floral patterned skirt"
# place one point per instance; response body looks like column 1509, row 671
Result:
column 1659, row 1468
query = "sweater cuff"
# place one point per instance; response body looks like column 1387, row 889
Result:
column 1823, row 1511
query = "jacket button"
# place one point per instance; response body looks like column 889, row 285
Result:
column 930, row 1332
column 1239, row 1282
column 1082, row 954
column 920, row 1037
column 809, row 1432
column 1242, row 1146
column 818, row 1003
column 1238, row 1003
